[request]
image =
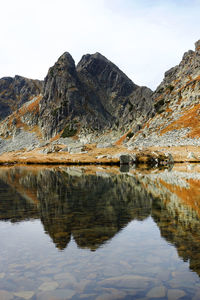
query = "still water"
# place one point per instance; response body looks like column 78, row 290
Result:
column 97, row 233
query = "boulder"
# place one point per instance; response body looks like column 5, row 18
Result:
column 154, row 158
column 79, row 149
column 127, row 159
column 105, row 145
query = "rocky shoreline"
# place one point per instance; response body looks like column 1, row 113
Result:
column 117, row 155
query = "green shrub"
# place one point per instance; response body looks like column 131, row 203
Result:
column 170, row 88
column 69, row 131
column 159, row 104
column 130, row 106
column 54, row 112
column 130, row 135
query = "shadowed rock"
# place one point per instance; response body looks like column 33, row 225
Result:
column 14, row 92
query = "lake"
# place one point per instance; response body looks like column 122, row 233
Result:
column 99, row 233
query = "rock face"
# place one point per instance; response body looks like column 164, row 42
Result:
column 176, row 106
column 62, row 99
column 14, row 92
column 95, row 95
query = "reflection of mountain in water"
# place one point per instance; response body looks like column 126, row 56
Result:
column 176, row 211
column 13, row 206
column 93, row 209
column 90, row 208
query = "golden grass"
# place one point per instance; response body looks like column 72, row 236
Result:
column 190, row 119
column 189, row 196
column 180, row 154
column 120, row 141
column 32, row 107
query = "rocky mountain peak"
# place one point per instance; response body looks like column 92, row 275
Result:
column 95, row 95
column 96, row 67
column 65, row 63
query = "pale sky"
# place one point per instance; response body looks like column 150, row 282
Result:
column 144, row 38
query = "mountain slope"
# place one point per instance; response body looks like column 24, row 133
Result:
column 177, row 106
column 14, row 92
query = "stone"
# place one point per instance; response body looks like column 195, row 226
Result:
column 127, row 281
column 197, row 295
column 191, row 155
column 105, row 145
column 87, row 296
column 61, row 294
column 5, row 295
column 25, row 294
column 80, row 286
column 126, row 159
column 124, row 168
column 75, row 150
column 67, row 277
column 157, row 292
column 65, row 149
column 153, row 158
column 111, row 296
column 2, row 275
column 175, row 294
column 48, row 286
column 101, row 156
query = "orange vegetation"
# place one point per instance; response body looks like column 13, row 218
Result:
column 120, row 141
column 14, row 181
column 189, row 196
column 32, row 107
column 158, row 98
column 169, row 110
column 55, row 137
column 190, row 119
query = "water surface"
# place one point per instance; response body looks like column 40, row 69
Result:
column 96, row 233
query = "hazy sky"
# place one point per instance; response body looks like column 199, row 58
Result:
column 143, row 37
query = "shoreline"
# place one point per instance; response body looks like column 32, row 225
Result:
column 101, row 156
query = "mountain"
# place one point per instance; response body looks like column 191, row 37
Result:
column 95, row 95
column 14, row 92
column 176, row 106
column 94, row 102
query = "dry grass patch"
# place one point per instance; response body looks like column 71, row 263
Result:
column 190, row 119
